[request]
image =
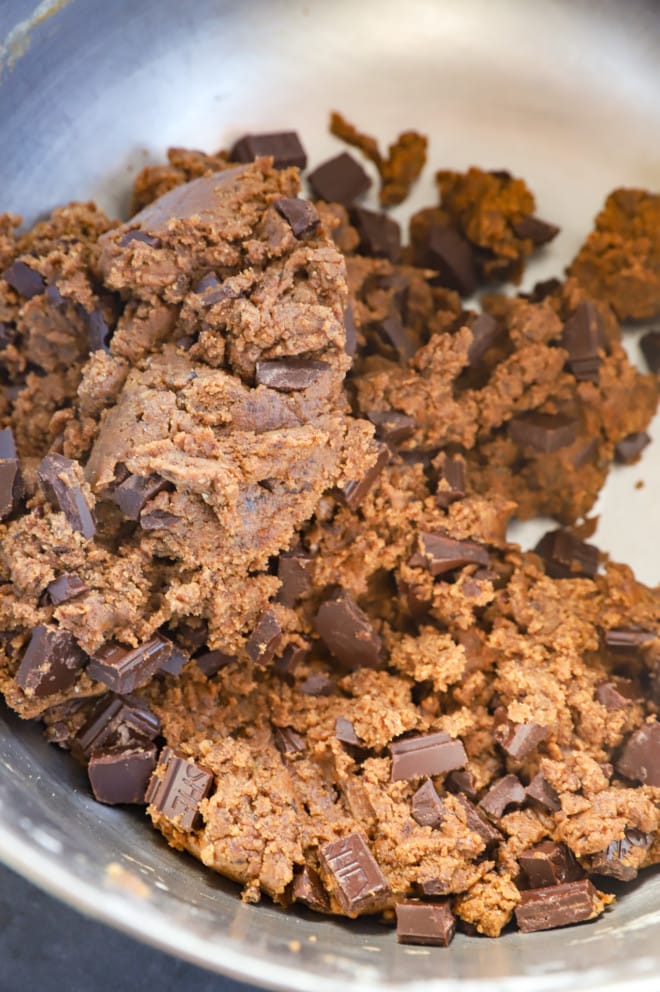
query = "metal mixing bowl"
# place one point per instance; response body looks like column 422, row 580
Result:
column 564, row 93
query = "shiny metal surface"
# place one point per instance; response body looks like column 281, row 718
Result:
column 563, row 93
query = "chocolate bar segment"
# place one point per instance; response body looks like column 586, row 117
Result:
column 557, row 906
column 545, row 432
column 566, row 556
column 584, row 339
column 115, row 722
column 290, row 375
column 440, row 553
column 427, row 808
column 431, row 924
column 348, row 633
column 548, row 863
column 339, row 180
column 620, row 859
column 428, row 754
column 177, row 788
column 65, row 587
column 52, row 662
column 125, row 669
column 284, row 147
column 640, row 757
column 61, row 485
column 354, row 875
column 121, row 776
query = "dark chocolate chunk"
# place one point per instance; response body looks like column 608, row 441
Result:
column 541, row 290
column 567, row 557
column 392, row 427
column 264, row 639
column 153, row 519
column 348, row 633
column 52, row 662
column 288, row 742
column 339, row 180
column 355, row 876
column 548, row 863
column 546, row 432
column 290, row 375
column 284, row 147
column 301, row 215
column 211, row 662
column 583, row 338
column 478, row 823
column 26, row 281
column 451, row 482
column 427, row 754
column 616, row 693
column 308, row 889
column 520, row 739
column 557, row 906
column 440, row 553
column 392, row 333
column 538, row 231
column 452, row 257
column 461, row 781
column 431, row 924
column 137, row 235
column 318, row 684
column 62, row 489
column 541, row 793
column 98, row 331
column 627, row 640
column 615, row 860
column 630, row 447
column 351, row 494
column 380, row 235
column 115, row 722
column 427, row 808
column 65, row 587
column 125, row 669
column 177, row 788
column 506, row 791
column 294, row 572
column 345, row 733
column 292, row 656
column 133, row 493
column 11, row 479
column 484, row 335
column 213, row 291
column 650, row 345
column 121, row 776
column 350, row 345
column 640, row 757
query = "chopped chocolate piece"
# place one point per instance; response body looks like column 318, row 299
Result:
column 440, row 553
column 52, row 662
column 292, row 656
column 65, row 587
column 451, row 485
column 62, row 489
column 125, row 669
column 339, row 180
column 650, row 345
column 616, row 860
column 546, row 432
column 289, row 375
column 542, row 793
column 213, row 291
column 380, row 235
column 557, row 906
column 427, row 807
column 301, row 215
column 451, row 256
column 506, row 791
column 351, row 494
column 615, row 694
column 121, row 776
column 427, row 754
column 264, row 639
column 133, row 493
column 627, row 640
column 348, row 633
column 24, row 280
column 115, row 722
column 431, row 924
column 538, row 231
column 211, row 662
column 176, row 789
column 583, row 338
column 308, row 889
column 355, row 876
column 137, row 235
column 284, row 147
column 520, row 739
column 98, row 331
column 548, row 863
column 461, row 781
column 541, row 290
column 11, row 480
column 478, row 823
column 318, row 684
column 630, row 447
column 351, row 331
column 345, row 733
column 484, row 335
column 640, row 757
column 566, row 556
column 288, row 742
column 391, row 332
column 392, row 427
column 158, row 520
column 294, row 572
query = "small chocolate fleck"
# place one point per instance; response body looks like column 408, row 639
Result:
column 264, row 639
column 520, row 739
column 506, row 791
column 121, row 776
column 427, row 808
column 650, row 345
column 640, row 757
column 392, row 427
column 627, row 451
column 284, row 147
column 557, row 906
column 339, row 180
column 134, row 492
column 65, row 587
column 308, row 889
column 294, row 570
column 440, row 553
column 290, row 375
column 548, row 863
column 177, row 788
column 52, row 662
column 351, row 494
column 125, row 669
column 545, row 432
column 538, row 231
column 62, row 489
column 348, row 633
column 301, row 215
column 542, row 794
column 24, row 280
column 353, row 873
column 427, row 754
column 431, row 924
column 452, row 257
column 566, row 556
column 380, row 235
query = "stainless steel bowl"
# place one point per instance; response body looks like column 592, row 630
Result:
column 564, row 93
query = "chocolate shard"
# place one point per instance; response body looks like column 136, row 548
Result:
column 650, row 345
column 65, row 587
column 211, row 662
column 380, row 235
column 353, row 874
column 538, row 231
column 135, row 234
column 339, row 180
column 264, row 639
column 452, row 257
column 284, row 147
column 61, row 487
column 545, row 432
column 291, row 657
column 392, row 427
column 620, row 859
column 288, row 742
column 115, row 722
column 125, row 669
column 318, row 684
column 548, row 863
column 351, row 494
column 427, row 754
column 461, row 781
column 440, row 553
column 431, row 924
column 348, row 633
column 11, row 479
column 640, row 757
column 584, row 338
column 451, row 482
column 479, row 824
column 627, row 451
column 542, row 794
column 154, row 519
column 627, row 640
column 392, row 333
column 542, row 290
column 301, row 215
column 177, row 788
column 519, row 740
column 557, row 906
column 133, row 493
column 24, row 280
column 294, row 570
column 616, row 693
column 566, row 556
column 485, row 333
column 345, row 733
column 290, row 375
column 350, row 345
column 121, row 776
column 427, row 808
column 506, row 791
column 52, row 662
column 98, row 330
column 308, row 889
column 213, row 291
